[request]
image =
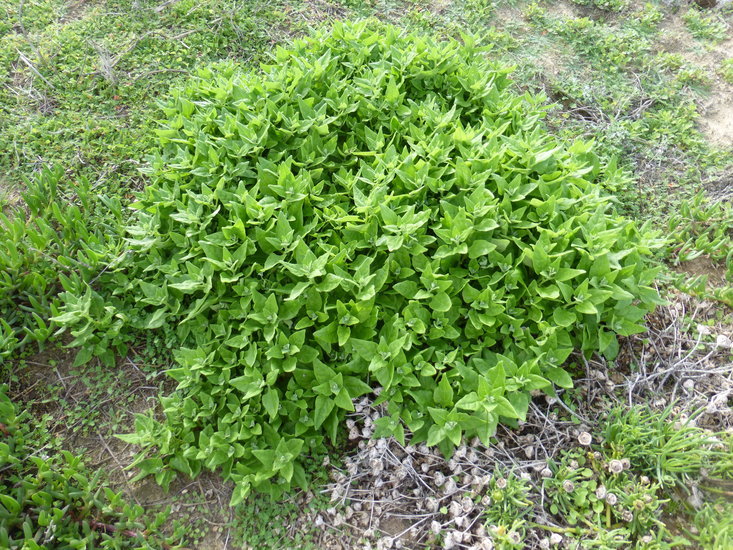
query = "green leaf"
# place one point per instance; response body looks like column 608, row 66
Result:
column 558, row 376
column 271, row 401
column 324, row 406
column 441, row 302
column 480, row 248
column 443, row 394
column 563, row 317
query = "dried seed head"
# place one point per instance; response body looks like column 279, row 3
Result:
column 544, row 544
column 627, row 516
column 435, row 527
column 479, row 530
column 448, row 542
column 455, row 508
column 626, row 463
column 611, row 499
column 546, row 472
column 529, row 451
column 460, row 452
column 438, row 479
column 501, row 483
column 568, row 486
column 526, row 476
column 376, row 466
column 515, row 537
column 555, row 539
column 467, row 505
column 486, row 544
column 450, row 486
column 645, row 480
column 319, row 520
column 460, row 521
column 615, row 467
column 486, row 500
column 338, row 520
column 431, row 504
column 601, row 492
column 585, row 439
column 573, row 465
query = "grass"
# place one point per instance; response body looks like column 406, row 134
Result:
column 79, row 89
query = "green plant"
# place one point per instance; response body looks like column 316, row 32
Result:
column 703, row 228
column 726, row 70
column 714, row 525
column 646, row 20
column 703, row 27
column 508, row 500
column 53, row 502
column 610, row 5
column 376, row 212
column 572, row 489
column 619, row 47
column 47, row 242
column 659, row 444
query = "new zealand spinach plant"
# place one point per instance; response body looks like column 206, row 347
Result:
column 374, row 212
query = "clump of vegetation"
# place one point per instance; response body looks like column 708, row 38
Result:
column 610, row 5
column 705, row 27
column 726, row 70
column 714, row 525
column 53, row 502
column 48, row 243
column 377, row 212
column 703, row 228
column 660, row 445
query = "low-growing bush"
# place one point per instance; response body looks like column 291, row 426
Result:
column 54, row 502
column 373, row 212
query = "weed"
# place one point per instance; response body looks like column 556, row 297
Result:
column 672, row 451
column 610, row 5
column 710, row 27
column 714, row 525
column 726, row 70
column 55, row 502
